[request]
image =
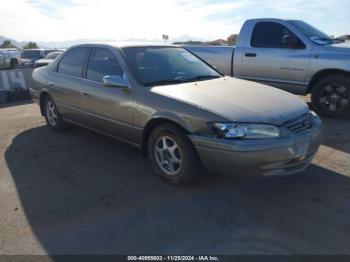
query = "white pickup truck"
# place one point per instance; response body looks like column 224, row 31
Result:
column 291, row 55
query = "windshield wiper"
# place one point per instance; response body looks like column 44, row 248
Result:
column 164, row 82
column 179, row 81
column 321, row 40
column 328, row 40
column 199, row 78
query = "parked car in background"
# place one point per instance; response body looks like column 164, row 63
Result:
column 47, row 59
column 178, row 110
column 29, row 56
column 291, row 55
column 9, row 58
column 48, row 51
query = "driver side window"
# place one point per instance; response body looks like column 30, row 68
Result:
column 271, row 35
column 102, row 63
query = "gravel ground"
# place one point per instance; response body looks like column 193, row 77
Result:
column 78, row 192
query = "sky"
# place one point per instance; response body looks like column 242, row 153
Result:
column 61, row 20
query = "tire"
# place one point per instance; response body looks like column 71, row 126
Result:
column 52, row 116
column 182, row 150
column 330, row 97
column 13, row 64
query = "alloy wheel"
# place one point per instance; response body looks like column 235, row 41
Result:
column 334, row 97
column 168, row 155
column 51, row 113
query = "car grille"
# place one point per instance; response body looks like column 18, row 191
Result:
column 299, row 124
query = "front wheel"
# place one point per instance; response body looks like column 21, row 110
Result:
column 52, row 115
column 172, row 155
column 331, row 96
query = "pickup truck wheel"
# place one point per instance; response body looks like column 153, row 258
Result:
column 331, row 96
column 52, row 115
column 172, row 155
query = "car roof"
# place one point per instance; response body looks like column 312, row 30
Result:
column 125, row 44
column 37, row 49
column 268, row 19
column 41, row 49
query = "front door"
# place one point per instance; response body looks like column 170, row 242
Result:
column 269, row 58
column 109, row 109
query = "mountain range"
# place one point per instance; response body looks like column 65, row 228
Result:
column 183, row 39
column 16, row 43
column 68, row 43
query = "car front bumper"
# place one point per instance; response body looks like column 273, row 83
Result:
column 279, row 156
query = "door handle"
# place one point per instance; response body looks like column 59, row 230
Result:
column 250, row 54
column 85, row 94
column 51, row 84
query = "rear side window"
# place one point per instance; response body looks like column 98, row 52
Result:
column 31, row 54
column 102, row 63
column 270, row 35
column 73, row 62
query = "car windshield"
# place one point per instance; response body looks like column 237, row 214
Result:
column 313, row 33
column 31, row 54
column 166, row 65
column 52, row 55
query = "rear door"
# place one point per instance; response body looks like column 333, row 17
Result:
column 268, row 57
column 109, row 109
column 67, row 84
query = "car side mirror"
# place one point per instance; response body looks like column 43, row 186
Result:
column 291, row 41
column 115, row 81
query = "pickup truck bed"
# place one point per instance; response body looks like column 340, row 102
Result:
column 221, row 57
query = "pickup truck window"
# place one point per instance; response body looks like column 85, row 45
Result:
column 166, row 65
column 313, row 33
column 102, row 62
column 73, row 62
column 31, row 54
column 271, row 35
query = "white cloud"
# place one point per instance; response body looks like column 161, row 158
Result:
column 57, row 20
column 45, row 20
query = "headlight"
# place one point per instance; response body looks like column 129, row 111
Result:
column 313, row 113
column 315, row 118
column 243, row 130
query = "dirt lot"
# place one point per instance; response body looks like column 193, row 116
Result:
column 78, row 192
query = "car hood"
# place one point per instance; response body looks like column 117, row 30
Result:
column 339, row 47
column 28, row 59
column 238, row 100
column 43, row 61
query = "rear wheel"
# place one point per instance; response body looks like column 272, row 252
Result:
column 52, row 115
column 331, row 96
column 172, row 155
